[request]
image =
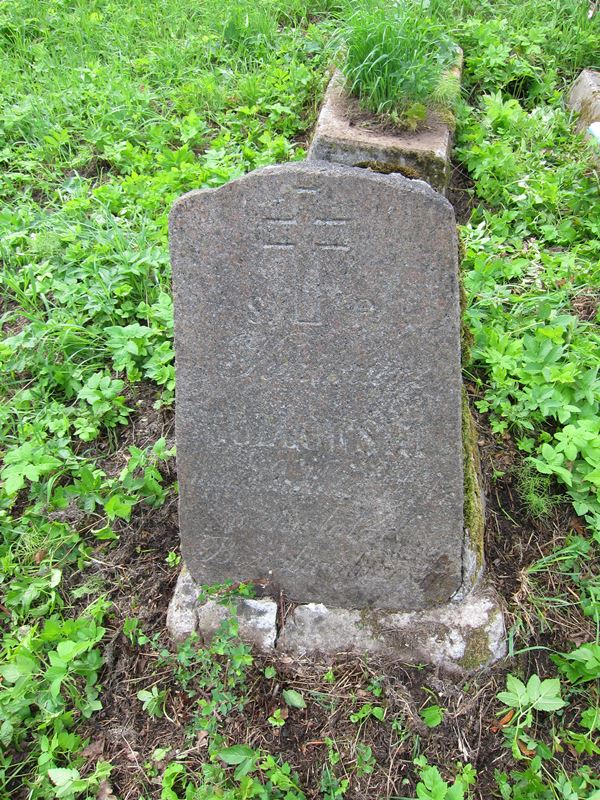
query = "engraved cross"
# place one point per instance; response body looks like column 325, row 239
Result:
column 309, row 238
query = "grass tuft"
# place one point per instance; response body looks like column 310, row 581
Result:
column 397, row 60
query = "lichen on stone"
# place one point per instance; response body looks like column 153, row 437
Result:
column 474, row 511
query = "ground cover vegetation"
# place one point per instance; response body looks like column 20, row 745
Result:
column 109, row 112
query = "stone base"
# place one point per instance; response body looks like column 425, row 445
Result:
column 584, row 98
column 422, row 155
column 257, row 619
column 460, row 637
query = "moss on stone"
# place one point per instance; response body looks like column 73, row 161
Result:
column 387, row 168
column 413, row 165
column 477, row 651
column 474, row 511
column 466, row 337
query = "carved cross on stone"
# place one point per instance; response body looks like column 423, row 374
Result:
column 310, row 237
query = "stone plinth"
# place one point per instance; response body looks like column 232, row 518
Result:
column 345, row 135
column 460, row 637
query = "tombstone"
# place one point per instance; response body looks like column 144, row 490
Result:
column 318, row 421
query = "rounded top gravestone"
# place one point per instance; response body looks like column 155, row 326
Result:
column 318, row 386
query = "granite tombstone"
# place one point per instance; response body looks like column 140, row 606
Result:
column 318, row 386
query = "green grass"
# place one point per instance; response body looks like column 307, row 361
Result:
column 108, row 113
column 396, row 59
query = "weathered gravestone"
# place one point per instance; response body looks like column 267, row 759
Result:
column 319, row 439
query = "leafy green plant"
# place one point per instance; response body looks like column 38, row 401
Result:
column 107, row 406
column 293, row 698
column 280, row 780
column 276, row 719
column 27, row 462
column 536, row 782
column 366, row 711
column 173, row 558
column 331, row 787
column 68, row 783
column 49, row 672
column 153, row 701
column 365, row 760
column 581, row 665
column 432, row 786
column 536, row 695
column 432, row 715
column 216, row 674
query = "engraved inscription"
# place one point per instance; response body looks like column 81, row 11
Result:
column 309, row 237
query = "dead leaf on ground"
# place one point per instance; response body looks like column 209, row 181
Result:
column 94, row 750
column 577, row 525
column 497, row 726
column 105, row 791
column 202, row 740
column 525, row 750
column 132, row 755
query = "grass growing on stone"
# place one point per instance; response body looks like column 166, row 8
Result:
column 397, row 59
column 110, row 111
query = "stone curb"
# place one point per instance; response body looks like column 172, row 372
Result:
column 459, row 637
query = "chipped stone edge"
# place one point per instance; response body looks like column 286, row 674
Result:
column 460, row 637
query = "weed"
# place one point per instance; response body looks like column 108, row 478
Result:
column 153, row 701
column 536, row 695
column 293, row 698
column 277, row 718
column 432, row 715
column 432, row 786
column 365, row 760
column 535, row 491
column 397, row 60
column 366, row 711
